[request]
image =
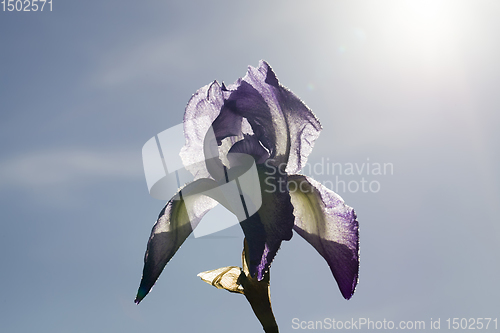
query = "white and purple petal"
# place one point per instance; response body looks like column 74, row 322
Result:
column 330, row 226
column 294, row 125
column 202, row 110
column 175, row 223
column 283, row 124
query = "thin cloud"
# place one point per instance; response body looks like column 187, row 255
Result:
column 154, row 59
column 56, row 167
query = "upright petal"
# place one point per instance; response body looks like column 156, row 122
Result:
column 227, row 124
column 292, row 119
column 207, row 122
column 202, row 110
column 175, row 223
column 268, row 125
column 322, row 219
column 251, row 146
column 284, row 125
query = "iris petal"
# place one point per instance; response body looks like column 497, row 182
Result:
column 294, row 126
column 330, row 226
column 286, row 127
column 272, row 224
column 175, row 223
column 247, row 102
column 251, row 146
column 227, row 124
column 202, row 109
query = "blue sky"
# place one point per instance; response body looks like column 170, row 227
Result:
column 411, row 83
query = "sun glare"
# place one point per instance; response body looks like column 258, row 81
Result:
column 431, row 30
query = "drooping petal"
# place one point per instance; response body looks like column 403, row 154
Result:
column 273, row 222
column 175, row 223
column 330, row 226
column 294, row 127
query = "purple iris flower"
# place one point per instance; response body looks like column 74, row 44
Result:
column 256, row 116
